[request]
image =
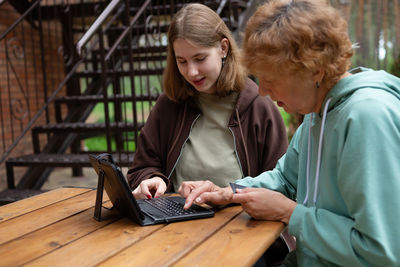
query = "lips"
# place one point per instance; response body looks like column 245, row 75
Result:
column 199, row 82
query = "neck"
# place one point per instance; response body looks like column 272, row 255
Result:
column 325, row 91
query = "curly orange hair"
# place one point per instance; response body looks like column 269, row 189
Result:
column 297, row 35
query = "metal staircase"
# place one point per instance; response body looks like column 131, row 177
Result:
column 115, row 66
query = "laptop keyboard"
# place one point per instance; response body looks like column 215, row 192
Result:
column 168, row 206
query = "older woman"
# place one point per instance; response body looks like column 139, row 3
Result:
column 337, row 185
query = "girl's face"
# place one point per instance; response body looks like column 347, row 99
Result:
column 200, row 66
column 294, row 92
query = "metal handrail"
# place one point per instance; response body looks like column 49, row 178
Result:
column 221, row 7
column 96, row 25
column 41, row 110
column 126, row 31
column 21, row 18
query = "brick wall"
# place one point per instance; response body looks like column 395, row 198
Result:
column 24, row 71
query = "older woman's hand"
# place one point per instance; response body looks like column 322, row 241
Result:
column 205, row 192
column 265, row 204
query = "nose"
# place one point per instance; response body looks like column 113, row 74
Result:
column 192, row 70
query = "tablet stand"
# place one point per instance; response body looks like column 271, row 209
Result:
column 99, row 196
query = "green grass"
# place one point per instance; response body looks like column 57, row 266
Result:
column 99, row 143
column 142, row 109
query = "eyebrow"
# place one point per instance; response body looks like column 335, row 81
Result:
column 195, row 55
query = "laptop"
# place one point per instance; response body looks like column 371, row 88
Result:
column 144, row 211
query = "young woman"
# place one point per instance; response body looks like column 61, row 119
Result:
column 337, row 185
column 210, row 123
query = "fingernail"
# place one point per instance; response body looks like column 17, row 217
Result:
column 198, row 200
column 148, row 196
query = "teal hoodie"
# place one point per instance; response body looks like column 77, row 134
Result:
column 345, row 177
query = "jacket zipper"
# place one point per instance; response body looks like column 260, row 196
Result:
column 180, row 153
column 237, row 156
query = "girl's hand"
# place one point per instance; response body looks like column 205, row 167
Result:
column 153, row 187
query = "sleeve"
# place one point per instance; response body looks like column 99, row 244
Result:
column 148, row 161
column 368, row 170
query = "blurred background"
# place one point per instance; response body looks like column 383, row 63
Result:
column 80, row 77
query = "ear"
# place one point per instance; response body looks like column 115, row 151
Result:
column 224, row 47
column 318, row 75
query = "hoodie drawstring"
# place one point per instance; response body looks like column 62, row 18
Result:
column 321, row 135
column 244, row 142
column 308, row 159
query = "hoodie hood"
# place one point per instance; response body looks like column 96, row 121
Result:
column 246, row 97
column 362, row 78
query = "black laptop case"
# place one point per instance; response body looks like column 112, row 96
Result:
column 141, row 211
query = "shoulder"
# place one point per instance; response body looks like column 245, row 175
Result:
column 371, row 110
column 162, row 112
column 163, row 100
column 164, row 104
column 369, row 102
column 249, row 98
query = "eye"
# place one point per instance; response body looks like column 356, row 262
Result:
column 180, row 61
column 199, row 59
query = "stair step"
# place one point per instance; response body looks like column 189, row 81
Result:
column 138, row 55
column 141, row 54
column 85, row 127
column 65, row 160
column 119, row 73
column 139, row 29
column 166, row 9
column 99, row 98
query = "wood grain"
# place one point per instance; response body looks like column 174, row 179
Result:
column 58, row 229
column 240, row 243
column 98, row 246
column 39, row 218
column 170, row 243
column 47, row 239
column 15, row 209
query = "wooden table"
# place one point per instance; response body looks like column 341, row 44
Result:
column 58, row 228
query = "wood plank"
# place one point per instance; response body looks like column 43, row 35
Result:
column 173, row 241
column 18, row 208
column 253, row 236
column 47, row 239
column 97, row 246
column 24, row 224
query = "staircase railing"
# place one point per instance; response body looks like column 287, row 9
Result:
column 36, row 65
column 32, row 51
column 121, row 56
column 111, row 65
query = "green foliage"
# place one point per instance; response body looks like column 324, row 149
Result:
column 286, row 117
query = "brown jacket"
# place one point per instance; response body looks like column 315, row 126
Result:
column 260, row 136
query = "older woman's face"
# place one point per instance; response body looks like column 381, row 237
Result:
column 293, row 92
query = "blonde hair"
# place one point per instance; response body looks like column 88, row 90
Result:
column 201, row 26
column 295, row 35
